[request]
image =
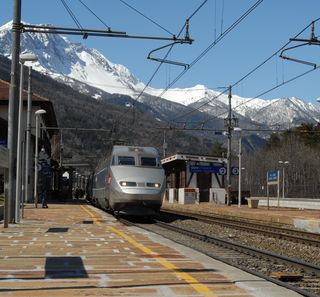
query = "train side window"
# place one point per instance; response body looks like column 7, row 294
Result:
column 126, row 160
column 113, row 162
column 148, row 161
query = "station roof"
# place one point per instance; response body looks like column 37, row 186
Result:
column 37, row 100
column 192, row 157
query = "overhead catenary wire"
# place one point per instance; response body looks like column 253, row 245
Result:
column 222, row 16
column 284, row 82
column 169, row 50
column 254, row 70
column 198, row 108
column 215, row 117
column 239, row 80
column 89, row 9
column 146, row 17
column 161, row 63
column 215, row 42
column 72, row 15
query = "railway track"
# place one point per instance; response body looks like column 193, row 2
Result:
column 255, row 227
column 294, row 274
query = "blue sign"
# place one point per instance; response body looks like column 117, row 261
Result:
column 221, row 170
column 272, row 176
column 235, row 170
column 206, row 169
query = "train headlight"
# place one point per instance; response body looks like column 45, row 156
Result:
column 153, row 185
column 128, row 184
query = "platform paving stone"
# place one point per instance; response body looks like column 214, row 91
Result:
column 56, row 252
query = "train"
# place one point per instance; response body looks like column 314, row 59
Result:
column 132, row 182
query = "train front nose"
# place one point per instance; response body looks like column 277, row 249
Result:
column 137, row 188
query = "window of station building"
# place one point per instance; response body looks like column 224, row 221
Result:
column 126, row 160
column 148, row 161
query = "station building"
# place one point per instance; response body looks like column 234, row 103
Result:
column 48, row 138
column 195, row 178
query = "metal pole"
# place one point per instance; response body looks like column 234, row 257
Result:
column 18, row 169
column 283, row 172
column 23, row 182
column 267, row 192
column 229, row 150
column 36, row 163
column 278, row 190
column 164, row 144
column 12, row 114
column 61, row 149
column 28, row 139
column 240, row 153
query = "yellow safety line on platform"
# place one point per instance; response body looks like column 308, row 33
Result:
column 200, row 288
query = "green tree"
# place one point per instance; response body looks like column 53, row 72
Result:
column 218, row 149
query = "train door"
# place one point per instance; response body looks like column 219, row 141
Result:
column 204, row 184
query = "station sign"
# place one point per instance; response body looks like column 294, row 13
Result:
column 235, row 171
column 218, row 169
column 206, row 169
column 272, row 177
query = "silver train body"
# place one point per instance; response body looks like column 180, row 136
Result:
column 133, row 183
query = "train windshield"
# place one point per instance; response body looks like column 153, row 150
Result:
column 148, row 161
column 126, row 160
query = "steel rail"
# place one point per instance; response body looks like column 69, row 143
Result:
column 274, row 231
column 256, row 253
column 291, row 262
column 315, row 269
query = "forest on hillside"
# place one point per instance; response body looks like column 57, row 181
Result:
column 117, row 123
column 297, row 150
column 299, row 146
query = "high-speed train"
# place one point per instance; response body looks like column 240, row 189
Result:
column 132, row 183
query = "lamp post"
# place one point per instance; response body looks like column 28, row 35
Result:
column 36, row 156
column 23, row 58
column 238, row 129
column 28, row 134
column 283, row 163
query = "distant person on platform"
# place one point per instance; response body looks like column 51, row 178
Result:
column 45, row 177
column 44, row 193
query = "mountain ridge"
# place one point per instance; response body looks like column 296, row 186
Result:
column 90, row 72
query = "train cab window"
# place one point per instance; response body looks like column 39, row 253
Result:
column 148, row 161
column 126, row 160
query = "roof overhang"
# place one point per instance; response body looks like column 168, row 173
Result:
column 191, row 157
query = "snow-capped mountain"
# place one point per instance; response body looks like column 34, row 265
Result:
column 64, row 60
column 89, row 71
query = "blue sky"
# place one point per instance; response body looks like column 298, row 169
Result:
column 257, row 37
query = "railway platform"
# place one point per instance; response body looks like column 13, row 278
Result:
column 74, row 249
column 303, row 219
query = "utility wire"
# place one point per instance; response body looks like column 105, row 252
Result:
column 268, row 91
column 255, row 69
column 197, row 10
column 269, row 58
column 161, row 63
column 222, row 15
column 199, row 107
column 168, row 52
column 146, row 17
column 72, row 15
column 215, row 42
column 87, row 7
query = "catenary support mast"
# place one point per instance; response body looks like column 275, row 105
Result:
column 9, row 211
